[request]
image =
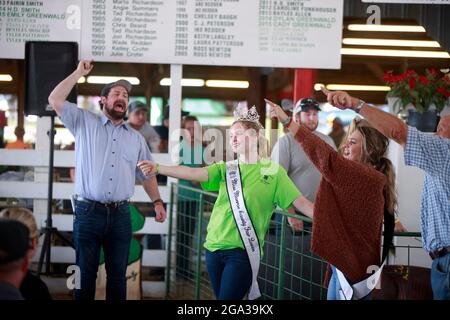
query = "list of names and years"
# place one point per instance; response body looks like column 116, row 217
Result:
column 45, row 20
column 124, row 30
column 274, row 33
column 265, row 33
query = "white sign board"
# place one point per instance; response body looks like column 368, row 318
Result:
column 300, row 33
column 266, row 33
column 410, row 1
column 50, row 20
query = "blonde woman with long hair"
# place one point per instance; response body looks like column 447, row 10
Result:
column 355, row 194
column 249, row 189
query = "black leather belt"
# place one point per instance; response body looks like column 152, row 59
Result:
column 111, row 205
column 440, row 253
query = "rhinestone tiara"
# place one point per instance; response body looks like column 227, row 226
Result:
column 242, row 113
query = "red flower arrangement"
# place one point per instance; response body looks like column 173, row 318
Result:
column 420, row 90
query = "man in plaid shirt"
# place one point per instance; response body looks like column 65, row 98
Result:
column 431, row 153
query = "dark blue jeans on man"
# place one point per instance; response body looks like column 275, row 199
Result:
column 96, row 226
column 440, row 277
column 230, row 273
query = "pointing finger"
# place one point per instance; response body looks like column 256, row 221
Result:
column 270, row 102
column 325, row 90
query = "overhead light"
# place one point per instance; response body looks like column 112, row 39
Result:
column 384, row 28
column 6, row 77
column 227, row 84
column 109, row 79
column 184, row 82
column 82, row 80
column 208, row 83
column 395, row 53
column 391, row 42
column 352, row 87
column 318, row 86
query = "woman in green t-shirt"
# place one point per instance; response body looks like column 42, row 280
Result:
column 231, row 267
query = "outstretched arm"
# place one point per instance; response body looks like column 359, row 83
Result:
column 389, row 125
column 179, row 172
column 304, row 205
column 59, row 95
column 321, row 154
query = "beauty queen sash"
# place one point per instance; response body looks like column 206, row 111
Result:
column 358, row 290
column 244, row 223
column 361, row 289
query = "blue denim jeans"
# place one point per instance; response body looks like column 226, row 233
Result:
column 96, row 226
column 333, row 286
column 440, row 278
column 230, row 273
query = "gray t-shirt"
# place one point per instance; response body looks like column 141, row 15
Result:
column 151, row 137
column 290, row 155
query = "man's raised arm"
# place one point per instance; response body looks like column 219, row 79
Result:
column 59, row 95
column 389, row 125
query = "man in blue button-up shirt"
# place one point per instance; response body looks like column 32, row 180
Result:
column 431, row 153
column 107, row 153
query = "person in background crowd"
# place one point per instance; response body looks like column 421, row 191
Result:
column 191, row 155
column 14, row 260
column 163, row 130
column 137, row 118
column 19, row 143
column 288, row 153
column 32, row 287
column 337, row 131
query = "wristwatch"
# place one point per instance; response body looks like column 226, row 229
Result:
column 358, row 107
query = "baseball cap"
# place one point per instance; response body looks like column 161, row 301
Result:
column 14, row 240
column 123, row 83
column 305, row 105
column 136, row 105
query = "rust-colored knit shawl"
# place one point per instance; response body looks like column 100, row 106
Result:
column 348, row 211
